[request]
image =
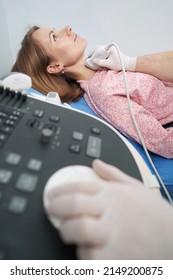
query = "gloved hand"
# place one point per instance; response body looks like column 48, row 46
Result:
column 113, row 61
column 114, row 218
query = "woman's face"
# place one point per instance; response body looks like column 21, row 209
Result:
column 64, row 47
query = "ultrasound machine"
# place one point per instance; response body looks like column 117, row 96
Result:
column 37, row 139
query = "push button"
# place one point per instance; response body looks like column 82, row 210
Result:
column 26, row 182
column 34, row 164
column 95, row 130
column 17, row 204
column 5, row 176
column 38, row 113
column 78, row 135
column 94, row 147
column 75, row 148
column 34, row 123
column 54, row 118
column 13, row 158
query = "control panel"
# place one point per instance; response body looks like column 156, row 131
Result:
column 37, row 139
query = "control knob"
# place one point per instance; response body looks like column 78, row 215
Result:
column 46, row 135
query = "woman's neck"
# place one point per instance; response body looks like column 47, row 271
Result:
column 80, row 72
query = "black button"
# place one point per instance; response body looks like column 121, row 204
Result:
column 78, row 135
column 17, row 205
column 54, row 118
column 94, row 147
column 75, row 148
column 38, row 113
column 95, row 130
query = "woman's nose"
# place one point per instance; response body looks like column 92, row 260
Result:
column 68, row 30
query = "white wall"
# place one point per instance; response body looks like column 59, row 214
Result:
column 138, row 26
column 5, row 50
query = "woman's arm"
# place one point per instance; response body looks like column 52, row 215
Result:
column 159, row 65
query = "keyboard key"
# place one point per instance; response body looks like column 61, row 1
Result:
column 17, row 205
column 13, row 158
column 95, row 130
column 75, row 148
column 5, row 176
column 26, row 182
column 2, row 137
column 38, row 113
column 34, row 164
column 78, row 135
column 54, row 118
column 94, row 147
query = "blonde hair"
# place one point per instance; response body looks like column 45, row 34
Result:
column 33, row 61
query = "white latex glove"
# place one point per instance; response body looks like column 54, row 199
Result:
column 113, row 61
column 114, row 218
column 69, row 175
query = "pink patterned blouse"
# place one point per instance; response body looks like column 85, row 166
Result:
column 151, row 101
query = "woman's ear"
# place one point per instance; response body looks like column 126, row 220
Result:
column 55, row 68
